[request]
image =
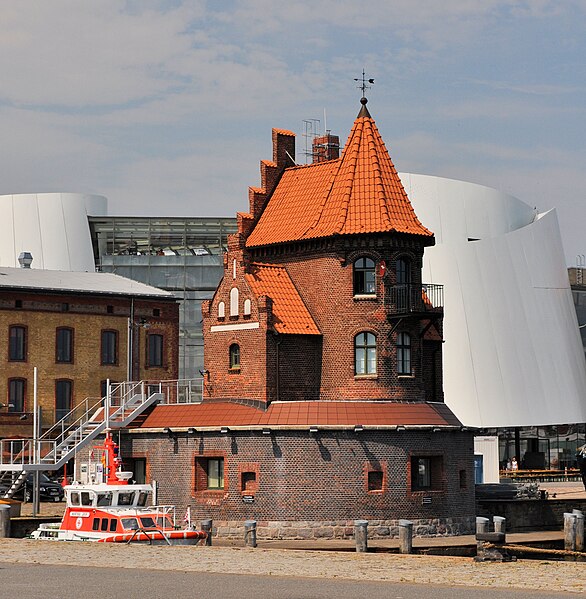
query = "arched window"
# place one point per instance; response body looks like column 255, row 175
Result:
column 234, row 301
column 364, row 279
column 17, row 344
column 64, row 345
column 235, row 356
column 221, row 310
column 365, row 353
column 403, row 271
column 247, row 307
column 16, row 390
column 63, row 398
column 403, row 353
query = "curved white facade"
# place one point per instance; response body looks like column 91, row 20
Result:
column 513, row 354
column 53, row 227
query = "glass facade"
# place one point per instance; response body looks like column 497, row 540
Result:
column 181, row 255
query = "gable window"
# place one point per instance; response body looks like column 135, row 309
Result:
column 235, row 357
column 403, row 353
column 234, row 301
column 365, row 353
column 109, row 347
column 16, row 389
column 426, row 473
column 247, row 307
column 364, row 277
column 221, row 310
column 64, row 345
column 155, row 350
column 17, row 344
column 63, row 389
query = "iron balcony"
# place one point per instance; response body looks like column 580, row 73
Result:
column 409, row 299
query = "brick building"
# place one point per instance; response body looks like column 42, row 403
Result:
column 323, row 383
column 76, row 328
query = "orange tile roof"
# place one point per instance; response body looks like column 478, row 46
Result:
column 301, row 413
column 289, row 312
column 358, row 193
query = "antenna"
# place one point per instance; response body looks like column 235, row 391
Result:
column 364, row 83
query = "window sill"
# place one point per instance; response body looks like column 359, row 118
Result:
column 362, row 377
column 234, row 370
column 365, row 297
column 406, row 376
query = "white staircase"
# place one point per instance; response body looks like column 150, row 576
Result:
column 78, row 428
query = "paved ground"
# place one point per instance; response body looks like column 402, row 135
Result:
column 57, row 582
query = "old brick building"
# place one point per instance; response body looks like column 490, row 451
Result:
column 76, row 328
column 322, row 384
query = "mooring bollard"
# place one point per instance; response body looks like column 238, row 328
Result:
column 206, row 526
column 570, row 522
column 4, row 521
column 361, row 535
column 579, row 529
column 481, row 528
column 405, row 536
column 500, row 524
column 250, row 533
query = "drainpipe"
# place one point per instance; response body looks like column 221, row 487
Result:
column 130, row 344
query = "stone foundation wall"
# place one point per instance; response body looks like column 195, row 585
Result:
column 342, row 529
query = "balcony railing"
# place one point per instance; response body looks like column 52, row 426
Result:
column 408, row 299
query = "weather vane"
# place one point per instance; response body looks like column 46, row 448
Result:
column 364, row 83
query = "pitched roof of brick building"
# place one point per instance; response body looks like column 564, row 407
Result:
column 290, row 315
column 358, row 193
column 301, row 414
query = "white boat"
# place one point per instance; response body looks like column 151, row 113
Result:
column 116, row 511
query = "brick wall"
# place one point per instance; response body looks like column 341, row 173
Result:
column 314, row 479
column 42, row 314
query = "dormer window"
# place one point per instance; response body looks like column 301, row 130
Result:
column 364, row 277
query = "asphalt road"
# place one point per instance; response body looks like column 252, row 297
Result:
column 34, row 581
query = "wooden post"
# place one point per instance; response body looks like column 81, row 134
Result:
column 4, row 521
column 405, row 536
column 579, row 529
column 250, row 533
column 570, row 531
column 361, row 535
column 206, row 526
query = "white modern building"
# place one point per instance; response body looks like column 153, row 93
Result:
column 513, row 357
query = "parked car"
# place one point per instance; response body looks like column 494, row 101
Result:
column 49, row 490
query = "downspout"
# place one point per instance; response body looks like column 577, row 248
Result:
column 130, row 344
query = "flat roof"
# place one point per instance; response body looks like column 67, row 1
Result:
column 60, row 281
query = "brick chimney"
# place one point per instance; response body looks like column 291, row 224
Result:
column 325, row 147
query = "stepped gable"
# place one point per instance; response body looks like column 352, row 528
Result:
column 358, row 193
column 289, row 313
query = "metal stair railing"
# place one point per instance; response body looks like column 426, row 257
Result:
column 124, row 402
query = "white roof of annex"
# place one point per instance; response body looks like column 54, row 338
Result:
column 512, row 354
column 59, row 281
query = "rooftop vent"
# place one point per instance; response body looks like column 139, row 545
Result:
column 25, row 259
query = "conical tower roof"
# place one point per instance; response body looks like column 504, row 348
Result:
column 358, row 193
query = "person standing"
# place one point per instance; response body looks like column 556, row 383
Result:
column 514, row 464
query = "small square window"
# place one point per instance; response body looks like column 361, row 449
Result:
column 248, row 481
column 375, row 480
column 18, row 303
column 110, row 309
column 209, row 474
column 156, row 312
column 426, row 473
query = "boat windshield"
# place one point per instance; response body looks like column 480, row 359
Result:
column 129, row 523
column 104, row 499
column 125, row 498
column 164, row 522
column 148, row 522
column 142, row 499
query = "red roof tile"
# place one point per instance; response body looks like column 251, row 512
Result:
column 303, row 413
column 290, row 313
column 358, row 193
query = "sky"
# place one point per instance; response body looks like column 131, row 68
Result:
column 166, row 106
